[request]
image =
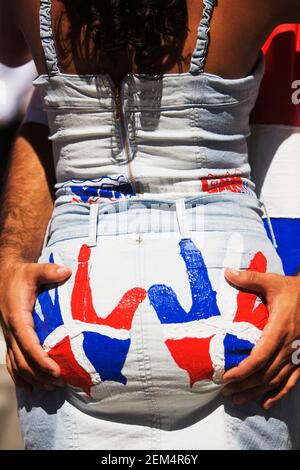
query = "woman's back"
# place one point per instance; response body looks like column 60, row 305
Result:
column 191, row 115
column 238, row 30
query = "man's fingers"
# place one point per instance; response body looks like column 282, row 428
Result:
column 13, row 371
column 278, row 367
column 33, row 351
column 268, row 345
column 31, row 374
column 25, row 371
column 238, row 387
column 25, row 344
column 46, row 273
column 18, row 381
column 252, row 280
column 250, row 395
column 271, row 400
column 27, row 347
column 264, row 378
column 22, row 323
column 271, row 340
column 277, row 388
column 30, row 346
column 29, row 360
column 20, row 307
column 9, row 367
column 12, row 362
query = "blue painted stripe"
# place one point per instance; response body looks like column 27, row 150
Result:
column 50, row 310
column 107, row 355
column 117, row 192
column 287, row 234
column 236, row 350
column 165, row 301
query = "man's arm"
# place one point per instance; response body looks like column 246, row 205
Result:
column 27, row 199
column 26, row 206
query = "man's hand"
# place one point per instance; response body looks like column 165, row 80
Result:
column 27, row 362
column 25, row 210
column 269, row 370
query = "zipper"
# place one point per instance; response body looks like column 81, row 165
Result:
column 119, row 117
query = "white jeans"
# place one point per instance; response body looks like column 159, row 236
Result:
column 144, row 329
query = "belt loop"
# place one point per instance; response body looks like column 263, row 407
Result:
column 181, row 218
column 274, row 241
column 93, row 221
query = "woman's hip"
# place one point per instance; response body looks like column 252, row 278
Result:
column 146, row 325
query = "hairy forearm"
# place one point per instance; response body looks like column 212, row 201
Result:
column 27, row 198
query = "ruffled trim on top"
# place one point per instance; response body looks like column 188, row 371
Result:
column 47, row 37
column 199, row 55
column 197, row 61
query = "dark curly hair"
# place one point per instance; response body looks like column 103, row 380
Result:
column 153, row 32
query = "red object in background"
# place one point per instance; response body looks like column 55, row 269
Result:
column 275, row 142
column 274, row 104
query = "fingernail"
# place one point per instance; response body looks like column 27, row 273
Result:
column 235, row 272
column 63, row 270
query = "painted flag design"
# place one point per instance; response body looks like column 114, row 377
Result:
column 201, row 341
column 97, row 348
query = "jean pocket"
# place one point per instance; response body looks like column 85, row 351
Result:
column 90, row 348
column 223, row 323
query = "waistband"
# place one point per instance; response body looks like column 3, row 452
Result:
column 118, row 187
column 207, row 212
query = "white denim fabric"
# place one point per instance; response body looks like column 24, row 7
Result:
column 146, row 325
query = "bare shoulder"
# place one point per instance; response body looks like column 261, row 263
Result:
column 19, row 13
column 277, row 11
column 282, row 11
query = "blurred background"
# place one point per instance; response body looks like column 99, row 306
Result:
column 274, row 157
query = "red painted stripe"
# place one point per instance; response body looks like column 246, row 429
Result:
column 274, row 104
column 246, row 301
column 70, row 370
column 192, row 355
column 82, row 302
